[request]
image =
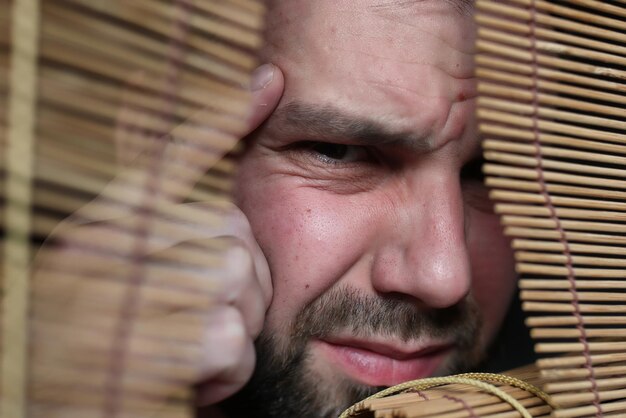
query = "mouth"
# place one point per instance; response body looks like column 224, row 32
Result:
column 383, row 363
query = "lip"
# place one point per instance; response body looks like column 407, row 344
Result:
column 377, row 363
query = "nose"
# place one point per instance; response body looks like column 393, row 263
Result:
column 426, row 256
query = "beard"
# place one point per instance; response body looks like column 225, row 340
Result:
column 286, row 383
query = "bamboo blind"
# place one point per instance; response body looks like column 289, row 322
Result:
column 151, row 93
column 552, row 110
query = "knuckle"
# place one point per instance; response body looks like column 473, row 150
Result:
column 239, row 267
column 239, row 223
column 240, row 259
column 226, row 338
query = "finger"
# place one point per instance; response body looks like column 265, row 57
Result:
column 237, row 225
column 196, row 146
column 227, row 276
column 242, row 288
column 267, row 88
column 196, row 273
column 262, row 271
column 170, row 225
column 190, row 150
column 203, row 273
column 229, row 359
column 231, row 381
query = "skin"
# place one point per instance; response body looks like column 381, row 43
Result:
column 398, row 219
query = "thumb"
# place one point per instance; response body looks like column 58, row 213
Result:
column 198, row 144
column 188, row 158
column 267, row 88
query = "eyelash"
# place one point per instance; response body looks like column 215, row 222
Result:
column 471, row 171
column 313, row 147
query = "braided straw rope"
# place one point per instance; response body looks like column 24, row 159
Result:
column 511, row 381
column 482, row 381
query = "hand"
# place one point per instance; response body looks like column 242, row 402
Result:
column 138, row 296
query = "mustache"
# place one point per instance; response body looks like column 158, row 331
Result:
column 284, row 384
column 348, row 309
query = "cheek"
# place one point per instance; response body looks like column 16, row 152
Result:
column 310, row 238
column 493, row 269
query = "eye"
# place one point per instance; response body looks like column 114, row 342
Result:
column 334, row 153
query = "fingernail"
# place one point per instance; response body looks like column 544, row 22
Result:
column 262, row 77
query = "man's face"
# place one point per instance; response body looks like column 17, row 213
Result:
column 364, row 193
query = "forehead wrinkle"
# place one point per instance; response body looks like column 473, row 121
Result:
column 457, row 58
column 329, row 122
column 401, row 60
column 463, row 7
column 440, row 38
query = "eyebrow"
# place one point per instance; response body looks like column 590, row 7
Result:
column 329, row 122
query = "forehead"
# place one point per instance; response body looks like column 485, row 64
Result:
column 323, row 27
column 402, row 62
